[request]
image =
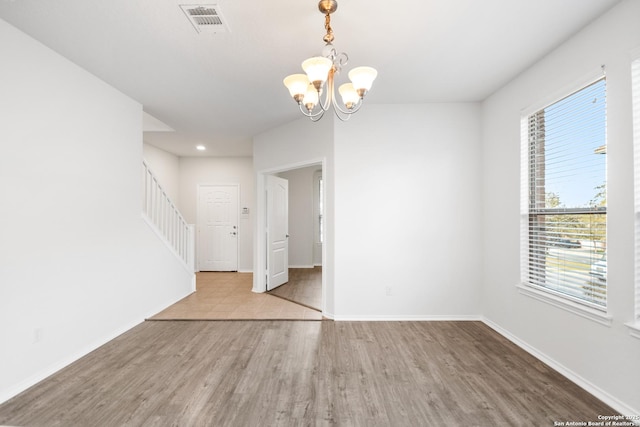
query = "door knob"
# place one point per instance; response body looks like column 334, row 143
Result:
column 233, row 233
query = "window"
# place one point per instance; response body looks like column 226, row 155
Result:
column 565, row 202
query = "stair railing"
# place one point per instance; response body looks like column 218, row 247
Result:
column 166, row 220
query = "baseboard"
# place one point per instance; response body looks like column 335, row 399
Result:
column 245, row 271
column 406, row 318
column 55, row 367
column 329, row 316
column 157, row 310
column 300, row 266
column 610, row 400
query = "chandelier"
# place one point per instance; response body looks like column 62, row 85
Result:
column 308, row 89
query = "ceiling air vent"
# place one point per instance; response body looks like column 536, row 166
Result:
column 205, row 18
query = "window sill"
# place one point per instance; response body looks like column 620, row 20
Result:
column 570, row 306
column 634, row 328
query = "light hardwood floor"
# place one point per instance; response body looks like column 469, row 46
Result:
column 228, row 296
column 304, row 287
column 289, row 373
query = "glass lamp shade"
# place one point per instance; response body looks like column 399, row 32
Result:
column 362, row 78
column 310, row 98
column 349, row 95
column 317, row 68
column 297, row 85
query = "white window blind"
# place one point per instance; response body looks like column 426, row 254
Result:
column 565, row 232
column 635, row 78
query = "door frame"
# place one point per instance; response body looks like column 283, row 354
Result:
column 317, row 244
column 260, row 241
column 197, row 248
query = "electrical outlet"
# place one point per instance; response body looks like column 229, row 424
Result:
column 37, row 335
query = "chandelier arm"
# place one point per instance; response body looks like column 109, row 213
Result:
column 329, row 96
column 317, row 117
column 355, row 109
column 342, row 117
column 311, row 115
column 326, row 104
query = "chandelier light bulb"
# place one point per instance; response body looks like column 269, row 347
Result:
column 311, row 98
column 349, row 95
column 362, row 79
column 297, row 85
column 317, row 69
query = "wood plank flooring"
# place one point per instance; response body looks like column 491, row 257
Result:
column 304, row 287
column 288, row 373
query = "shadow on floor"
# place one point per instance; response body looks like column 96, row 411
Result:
column 304, row 287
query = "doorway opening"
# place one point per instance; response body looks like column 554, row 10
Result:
column 304, row 233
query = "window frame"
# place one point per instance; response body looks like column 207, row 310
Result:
column 634, row 326
column 572, row 304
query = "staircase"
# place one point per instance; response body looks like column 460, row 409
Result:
column 165, row 219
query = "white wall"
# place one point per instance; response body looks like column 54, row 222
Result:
column 301, row 216
column 220, row 170
column 78, row 266
column 405, row 180
column 407, row 226
column 166, row 167
column 604, row 359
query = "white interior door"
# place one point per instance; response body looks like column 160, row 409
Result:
column 277, row 231
column 218, row 228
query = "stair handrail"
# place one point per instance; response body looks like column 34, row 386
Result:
column 162, row 214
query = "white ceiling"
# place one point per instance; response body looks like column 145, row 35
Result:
column 222, row 89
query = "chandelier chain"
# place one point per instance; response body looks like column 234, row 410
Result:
column 328, row 38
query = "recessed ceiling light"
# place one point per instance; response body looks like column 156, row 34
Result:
column 200, row 147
